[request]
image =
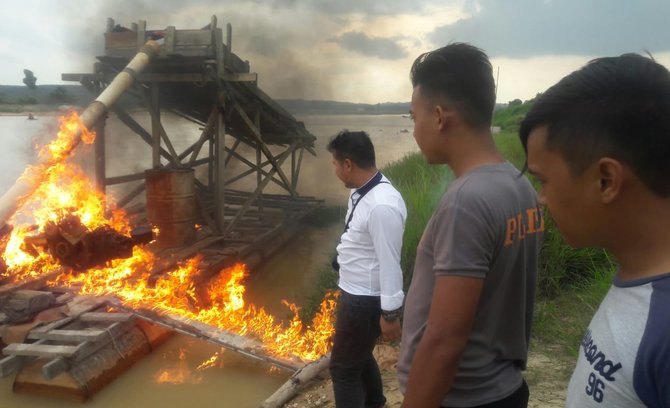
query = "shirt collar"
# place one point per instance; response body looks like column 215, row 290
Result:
column 369, row 184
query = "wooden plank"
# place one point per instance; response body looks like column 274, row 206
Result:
column 54, row 367
column 106, row 317
column 33, row 283
column 70, row 335
column 87, row 348
column 79, row 306
column 40, row 350
column 11, row 364
column 190, row 38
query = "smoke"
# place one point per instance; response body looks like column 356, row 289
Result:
column 384, row 48
column 289, row 43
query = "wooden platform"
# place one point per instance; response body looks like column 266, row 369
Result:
column 75, row 356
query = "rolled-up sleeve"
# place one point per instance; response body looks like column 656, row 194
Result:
column 386, row 225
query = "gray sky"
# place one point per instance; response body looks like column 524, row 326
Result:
column 348, row 50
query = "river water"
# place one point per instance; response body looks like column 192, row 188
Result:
column 237, row 381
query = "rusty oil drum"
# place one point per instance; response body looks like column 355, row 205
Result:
column 171, row 205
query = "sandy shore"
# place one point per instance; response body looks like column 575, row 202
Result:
column 547, row 379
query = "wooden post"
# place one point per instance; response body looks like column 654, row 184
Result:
column 110, row 25
column 229, row 44
column 296, row 382
column 100, row 165
column 220, row 170
column 259, row 173
column 155, row 125
column 141, row 33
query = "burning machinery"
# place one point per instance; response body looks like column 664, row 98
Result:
column 74, row 245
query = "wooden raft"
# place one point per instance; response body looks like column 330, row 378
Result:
column 76, row 356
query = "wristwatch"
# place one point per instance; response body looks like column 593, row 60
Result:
column 391, row 315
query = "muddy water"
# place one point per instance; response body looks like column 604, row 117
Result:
column 239, row 382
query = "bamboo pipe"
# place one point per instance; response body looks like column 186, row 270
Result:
column 29, row 181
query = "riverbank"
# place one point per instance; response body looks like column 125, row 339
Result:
column 547, row 376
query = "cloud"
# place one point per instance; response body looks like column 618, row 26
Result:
column 344, row 7
column 384, row 48
column 525, row 28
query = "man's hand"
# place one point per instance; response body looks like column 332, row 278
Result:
column 390, row 330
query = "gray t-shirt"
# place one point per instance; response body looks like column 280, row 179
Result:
column 487, row 225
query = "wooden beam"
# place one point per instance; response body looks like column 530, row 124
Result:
column 106, row 317
column 155, row 122
column 256, row 134
column 39, row 350
column 131, row 195
column 204, row 136
column 220, row 171
column 124, row 179
column 297, row 382
column 138, row 129
column 254, row 196
column 100, row 165
column 152, row 102
column 245, row 346
column 70, row 335
column 297, row 170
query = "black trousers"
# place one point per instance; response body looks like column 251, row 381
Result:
column 518, row 399
column 357, row 382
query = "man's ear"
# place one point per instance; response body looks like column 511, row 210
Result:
column 444, row 117
column 611, row 175
column 347, row 164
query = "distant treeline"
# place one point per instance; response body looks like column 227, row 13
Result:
column 302, row 106
column 77, row 95
column 44, row 95
column 55, row 95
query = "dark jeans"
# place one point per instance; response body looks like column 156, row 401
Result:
column 518, row 399
column 357, row 382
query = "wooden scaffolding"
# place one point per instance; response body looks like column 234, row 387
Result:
column 197, row 77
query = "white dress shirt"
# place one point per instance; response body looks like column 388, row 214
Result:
column 369, row 250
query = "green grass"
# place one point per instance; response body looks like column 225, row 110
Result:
column 510, row 118
column 561, row 320
column 421, row 186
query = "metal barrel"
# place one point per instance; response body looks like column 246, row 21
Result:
column 171, row 206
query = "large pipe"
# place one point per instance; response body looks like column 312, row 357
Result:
column 29, row 181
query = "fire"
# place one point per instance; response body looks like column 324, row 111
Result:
column 64, row 190
column 213, row 361
column 181, row 373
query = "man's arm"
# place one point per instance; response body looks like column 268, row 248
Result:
column 450, row 321
column 386, row 226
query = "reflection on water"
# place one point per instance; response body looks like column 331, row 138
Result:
column 169, row 376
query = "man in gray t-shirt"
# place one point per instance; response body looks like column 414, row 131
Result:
column 469, row 308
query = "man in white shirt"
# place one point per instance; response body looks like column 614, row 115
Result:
column 368, row 262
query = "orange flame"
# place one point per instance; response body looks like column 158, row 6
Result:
column 181, row 373
column 213, row 361
column 64, row 189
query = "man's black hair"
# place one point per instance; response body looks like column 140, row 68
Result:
column 355, row 146
column 460, row 75
column 616, row 107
